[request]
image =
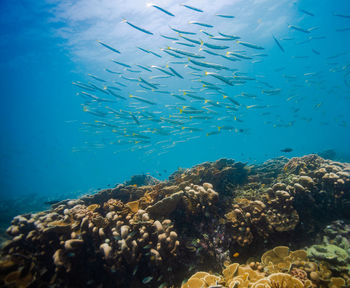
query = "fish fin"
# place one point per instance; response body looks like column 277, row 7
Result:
column 235, row 118
column 225, row 96
column 219, row 128
column 180, row 111
column 206, row 101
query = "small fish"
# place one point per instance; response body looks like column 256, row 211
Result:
column 298, row 29
column 235, row 255
column 120, row 84
column 121, row 64
column 209, row 65
column 185, row 53
column 155, row 54
column 168, row 37
column 144, row 68
column 174, row 72
column 306, row 12
column 201, row 24
column 249, row 45
column 109, row 47
column 112, row 72
column 225, row 79
column 341, row 15
column 343, row 29
column 225, row 16
column 233, row 37
column 212, row 46
column 213, row 133
column 181, row 31
column 136, row 27
column 135, row 119
column 190, row 39
column 184, row 44
column 115, row 95
column 192, row 8
column 316, row 52
column 142, row 99
column 163, row 10
column 206, row 33
column 147, row 280
column 148, row 83
column 96, row 78
column 162, row 70
column 278, row 43
column 286, row 150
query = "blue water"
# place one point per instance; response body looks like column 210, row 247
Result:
column 46, row 45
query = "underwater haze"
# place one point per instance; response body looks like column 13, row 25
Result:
column 255, row 80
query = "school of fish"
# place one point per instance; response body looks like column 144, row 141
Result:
column 142, row 107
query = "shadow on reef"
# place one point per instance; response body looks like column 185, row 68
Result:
column 202, row 218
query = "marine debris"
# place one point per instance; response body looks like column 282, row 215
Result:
column 207, row 218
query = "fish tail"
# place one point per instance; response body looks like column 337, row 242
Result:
column 180, row 111
column 219, row 128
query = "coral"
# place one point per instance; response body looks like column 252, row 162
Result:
column 337, row 257
column 154, row 233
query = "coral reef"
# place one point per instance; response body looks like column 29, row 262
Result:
column 203, row 218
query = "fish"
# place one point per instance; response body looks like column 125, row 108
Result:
column 146, row 280
column 306, row 12
column 115, row 95
column 278, row 43
column 174, row 72
column 192, row 8
column 299, row 29
column 249, row 45
column 172, row 54
column 287, row 150
column 212, row 133
column 185, row 53
column 212, row 46
column 223, row 38
column 341, row 15
column 232, row 100
column 206, row 33
column 109, row 47
column 225, row 16
column 190, row 39
column 148, row 83
column 201, row 24
column 142, row 99
column 162, row 70
column 155, row 54
column 96, row 78
column 83, row 86
column 225, row 79
column 233, row 37
column 315, row 51
column 121, row 64
column 168, row 37
column 144, row 68
column 120, row 84
column 235, row 255
column 184, row 44
column 238, row 55
column 137, row 27
column 162, row 9
column 272, row 92
column 112, row 72
column 209, row 65
column 181, row 31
